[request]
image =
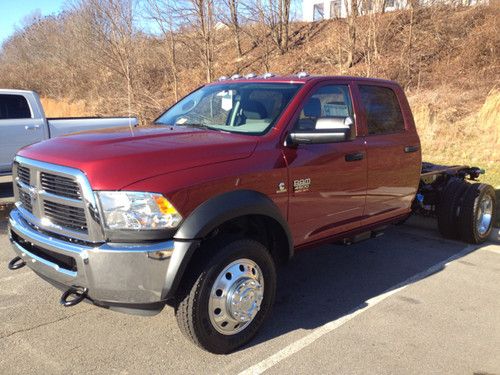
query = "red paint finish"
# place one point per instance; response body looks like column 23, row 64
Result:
column 115, row 158
column 190, row 166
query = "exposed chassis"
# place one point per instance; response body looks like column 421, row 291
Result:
column 434, row 179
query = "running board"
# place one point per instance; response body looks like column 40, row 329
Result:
column 364, row 236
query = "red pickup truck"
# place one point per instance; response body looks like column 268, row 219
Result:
column 197, row 210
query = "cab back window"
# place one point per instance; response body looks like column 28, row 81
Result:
column 383, row 114
column 14, row 106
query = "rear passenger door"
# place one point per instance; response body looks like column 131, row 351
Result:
column 393, row 152
column 18, row 128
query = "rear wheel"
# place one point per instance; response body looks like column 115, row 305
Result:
column 230, row 296
column 449, row 207
column 477, row 213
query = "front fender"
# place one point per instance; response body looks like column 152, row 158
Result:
column 219, row 209
column 210, row 215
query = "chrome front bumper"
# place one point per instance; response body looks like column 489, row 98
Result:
column 115, row 274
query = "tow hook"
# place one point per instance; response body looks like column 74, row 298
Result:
column 78, row 294
column 16, row 264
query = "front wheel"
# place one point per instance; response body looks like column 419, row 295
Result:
column 230, row 297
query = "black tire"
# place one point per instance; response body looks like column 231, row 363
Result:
column 192, row 309
column 449, row 207
column 471, row 209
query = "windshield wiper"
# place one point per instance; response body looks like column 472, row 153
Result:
column 197, row 125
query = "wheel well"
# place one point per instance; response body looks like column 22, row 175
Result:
column 261, row 228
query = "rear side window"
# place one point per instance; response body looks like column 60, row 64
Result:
column 14, row 106
column 383, row 113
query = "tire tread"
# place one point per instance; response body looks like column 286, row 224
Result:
column 448, row 208
column 191, row 292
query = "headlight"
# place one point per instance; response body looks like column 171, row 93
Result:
column 130, row 210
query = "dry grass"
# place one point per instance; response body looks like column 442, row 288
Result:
column 65, row 108
column 450, row 136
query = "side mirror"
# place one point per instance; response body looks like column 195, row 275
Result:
column 326, row 130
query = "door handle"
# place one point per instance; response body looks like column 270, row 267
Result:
column 32, row 127
column 409, row 149
column 355, row 156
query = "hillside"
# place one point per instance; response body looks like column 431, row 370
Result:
column 447, row 59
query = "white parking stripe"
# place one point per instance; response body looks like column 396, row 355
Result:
column 307, row 340
column 492, row 250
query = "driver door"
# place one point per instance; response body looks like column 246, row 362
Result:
column 328, row 181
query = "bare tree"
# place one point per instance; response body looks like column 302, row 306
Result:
column 164, row 12
column 110, row 36
column 275, row 15
column 352, row 15
column 200, row 18
column 233, row 20
column 412, row 4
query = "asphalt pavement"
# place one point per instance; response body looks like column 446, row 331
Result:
column 408, row 302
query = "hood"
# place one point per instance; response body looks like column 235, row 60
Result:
column 114, row 158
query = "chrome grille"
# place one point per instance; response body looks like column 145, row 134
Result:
column 25, row 200
column 59, row 185
column 24, row 174
column 56, row 199
column 66, row 216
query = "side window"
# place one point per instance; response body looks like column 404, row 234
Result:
column 318, row 12
column 13, row 107
column 332, row 101
column 383, row 114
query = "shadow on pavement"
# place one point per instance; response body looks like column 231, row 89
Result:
column 327, row 283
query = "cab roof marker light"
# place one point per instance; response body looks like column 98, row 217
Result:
column 235, row 76
column 250, row 75
column 268, row 75
column 302, row 74
column 223, row 78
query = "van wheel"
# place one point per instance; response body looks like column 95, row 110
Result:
column 449, row 207
column 477, row 213
column 229, row 298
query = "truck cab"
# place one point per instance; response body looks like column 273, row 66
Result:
column 21, row 122
column 198, row 209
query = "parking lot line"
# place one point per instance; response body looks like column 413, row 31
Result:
column 492, row 250
column 307, row 340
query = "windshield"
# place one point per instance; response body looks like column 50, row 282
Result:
column 243, row 107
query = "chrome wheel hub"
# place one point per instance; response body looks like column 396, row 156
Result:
column 484, row 213
column 236, row 296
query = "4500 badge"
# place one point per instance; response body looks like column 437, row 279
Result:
column 301, row 185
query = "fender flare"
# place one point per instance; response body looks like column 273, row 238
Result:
column 207, row 217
